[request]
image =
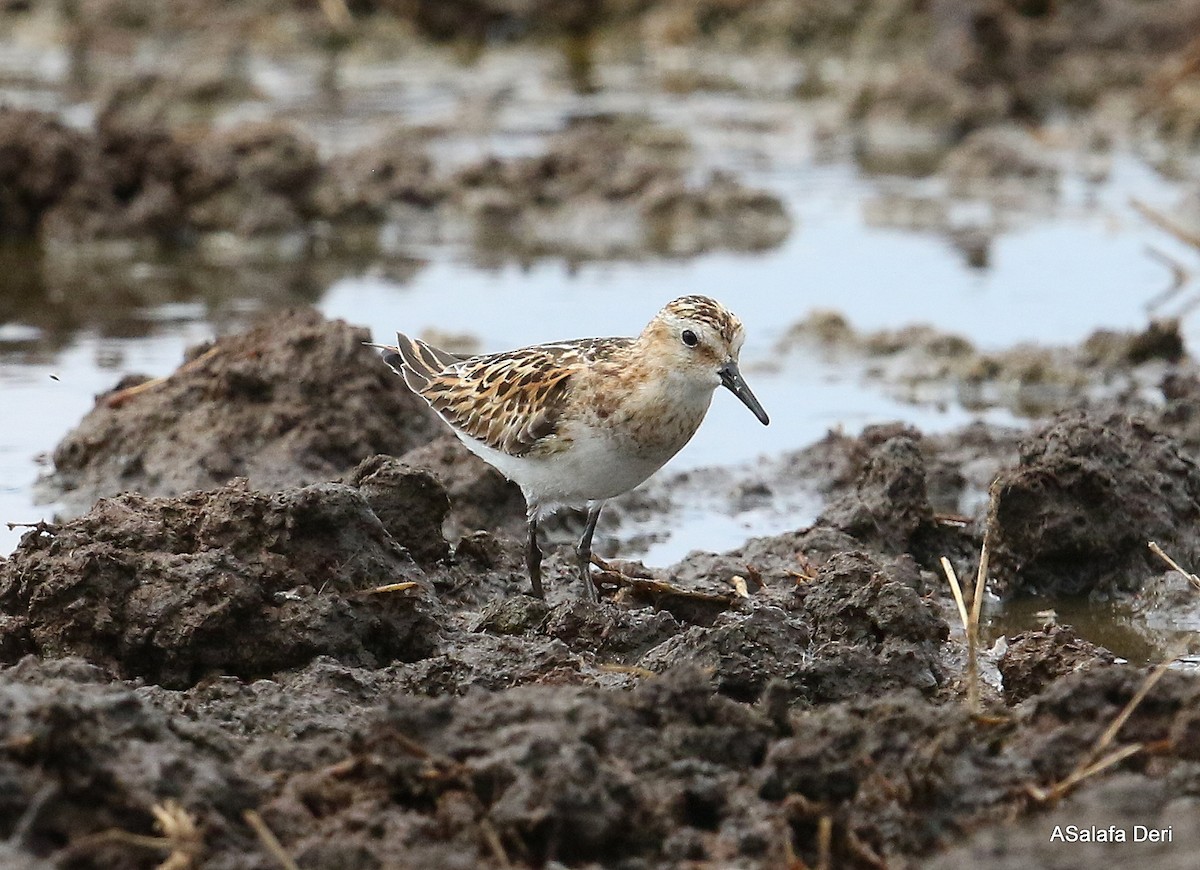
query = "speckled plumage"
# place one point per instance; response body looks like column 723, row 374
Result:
column 575, row 423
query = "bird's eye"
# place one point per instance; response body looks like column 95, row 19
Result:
column 690, row 338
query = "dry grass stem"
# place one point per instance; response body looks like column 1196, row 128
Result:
column 824, row 842
column 269, row 840
column 1110, row 733
column 739, row 586
column 1191, row 578
column 1095, row 761
column 957, row 591
column 970, row 623
column 492, row 837
column 1165, row 223
column 392, row 587
column 636, row 671
column 973, row 682
column 1179, row 278
column 1082, row 772
column 181, row 837
column 122, row 396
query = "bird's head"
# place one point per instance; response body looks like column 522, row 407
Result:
column 699, row 339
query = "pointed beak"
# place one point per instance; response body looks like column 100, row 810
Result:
column 732, row 379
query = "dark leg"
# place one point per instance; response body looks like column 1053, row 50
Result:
column 584, row 552
column 533, row 556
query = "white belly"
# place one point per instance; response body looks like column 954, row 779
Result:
column 592, row 469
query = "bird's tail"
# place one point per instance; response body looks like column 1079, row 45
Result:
column 415, row 361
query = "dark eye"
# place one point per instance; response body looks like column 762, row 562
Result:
column 690, row 338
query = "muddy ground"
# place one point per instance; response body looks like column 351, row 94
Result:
column 232, row 639
column 286, row 612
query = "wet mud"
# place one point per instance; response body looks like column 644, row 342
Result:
column 355, row 659
column 283, row 599
column 297, row 400
column 260, row 191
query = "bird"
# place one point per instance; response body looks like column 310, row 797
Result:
column 575, row 423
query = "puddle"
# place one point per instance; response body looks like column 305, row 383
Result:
column 1119, row 626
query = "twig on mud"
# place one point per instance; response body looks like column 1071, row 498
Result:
column 825, row 842
column 42, row 526
column 655, row 589
column 1092, row 763
column 1165, row 223
column 337, row 13
column 807, row 572
column 269, row 840
column 180, row 837
column 392, row 587
column 1191, row 578
column 1180, row 276
column 636, row 671
column 120, row 397
column 492, row 837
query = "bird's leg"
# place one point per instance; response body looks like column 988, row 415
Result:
column 584, row 552
column 533, row 556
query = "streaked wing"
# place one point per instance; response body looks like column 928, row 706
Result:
column 513, row 401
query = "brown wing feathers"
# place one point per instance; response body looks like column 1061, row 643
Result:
column 490, row 400
column 512, row 402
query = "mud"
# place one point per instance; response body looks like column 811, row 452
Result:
column 260, row 191
column 1033, row 659
column 252, row 641
column 298, row 595
column 1086, row 497
column 922, row 365
column 298, row 400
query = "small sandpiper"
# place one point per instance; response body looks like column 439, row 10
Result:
column 575, row 423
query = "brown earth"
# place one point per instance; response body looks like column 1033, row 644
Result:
column 260, row 191
column 230, row 649
column 298, row 400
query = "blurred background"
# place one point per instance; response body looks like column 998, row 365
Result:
column 881, row 189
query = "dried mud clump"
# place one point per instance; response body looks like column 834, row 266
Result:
column 1086, row 497
column 637, row 199
column 1034, row 659
column 888, row 507
column 871, row 631
column 480, row 496
column 39, row 158
column 294, row 401
column 410, row 503
column 84, row 756
column 133, row 184
column 229, row 581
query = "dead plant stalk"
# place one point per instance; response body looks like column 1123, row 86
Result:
column 970, row 622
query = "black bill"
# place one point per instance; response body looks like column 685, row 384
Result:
column 732, row 378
